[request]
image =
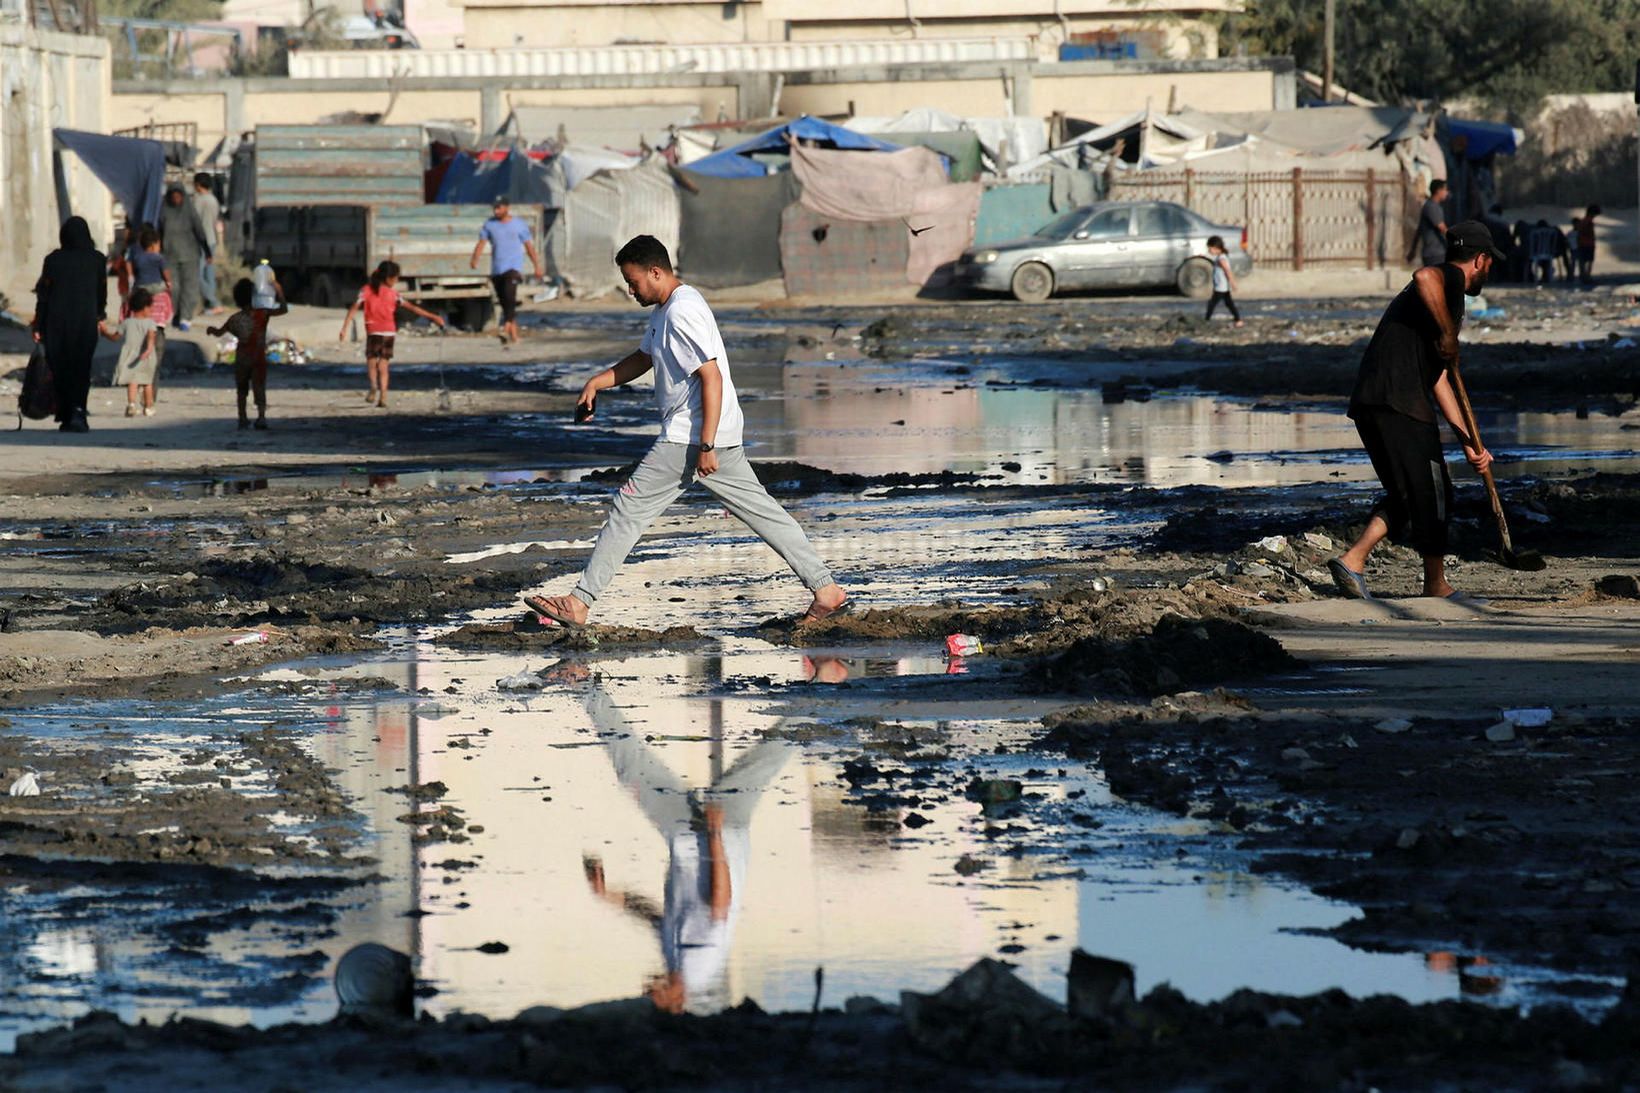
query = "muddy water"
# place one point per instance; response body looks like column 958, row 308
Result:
column 604, row 798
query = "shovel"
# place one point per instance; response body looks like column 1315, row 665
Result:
column 1528, row 561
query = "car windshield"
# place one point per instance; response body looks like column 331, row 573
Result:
column 1061, row 227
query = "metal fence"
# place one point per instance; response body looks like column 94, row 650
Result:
column 1293, row 218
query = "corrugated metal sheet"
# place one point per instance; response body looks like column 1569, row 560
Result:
column 652, row 59
column 437, row 240
column 605, row 211
column 339, row 165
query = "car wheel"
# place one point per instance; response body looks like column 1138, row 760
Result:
column 1032, row 283
column 1195, row 279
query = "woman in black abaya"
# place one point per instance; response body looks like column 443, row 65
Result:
column 72, row 296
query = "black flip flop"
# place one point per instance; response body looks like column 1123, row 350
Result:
column 1348, row 581
column 538, row 604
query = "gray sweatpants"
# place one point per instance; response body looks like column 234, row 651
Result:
column 660, row 479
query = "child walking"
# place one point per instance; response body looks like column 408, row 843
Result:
column 381, row 302
column 140, row 347
column 249, row 326
column 1224, row 282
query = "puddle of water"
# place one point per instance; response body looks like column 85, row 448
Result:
column 647, row 826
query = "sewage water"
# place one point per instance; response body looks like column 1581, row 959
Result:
column 653, row 824
column 607, row 797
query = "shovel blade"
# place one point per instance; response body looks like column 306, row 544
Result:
column 1527, row 561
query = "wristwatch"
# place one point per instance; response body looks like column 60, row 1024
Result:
column 705, row 447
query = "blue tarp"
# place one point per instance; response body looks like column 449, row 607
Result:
column 1483, row 137
column 737, row 162
column 133, row 169
column 470, row 181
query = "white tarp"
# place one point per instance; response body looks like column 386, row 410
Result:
column 605, row 210
column 1005, row 140
column 580, row 162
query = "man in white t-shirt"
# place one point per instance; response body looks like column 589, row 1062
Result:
column 700, row 441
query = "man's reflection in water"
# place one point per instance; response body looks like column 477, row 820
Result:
column 709, row 842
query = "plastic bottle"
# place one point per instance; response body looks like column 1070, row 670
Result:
column 262, row 278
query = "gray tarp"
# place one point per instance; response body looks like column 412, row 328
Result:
column 601, row 214
column 731, row 227
column 133, row 169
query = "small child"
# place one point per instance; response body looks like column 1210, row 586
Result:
column 249, row 326
column 1224, row 282
column 381, row 303
column 139, row 352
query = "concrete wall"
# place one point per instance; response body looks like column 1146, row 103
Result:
column 1105, row 96
column 47, row 80
column 1098, row 90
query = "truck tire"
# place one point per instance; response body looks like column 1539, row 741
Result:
column 476, row 314
column 1195, row 278
column 321, row 291
column 1032, row 283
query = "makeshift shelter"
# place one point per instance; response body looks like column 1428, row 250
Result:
column 730, row 230
column 479, row 178
column 1004, row 141
column 133, row 169
column 602, row 213
column 1012, row 212
column 826, row 257
column 768, row 151
column 907, row 187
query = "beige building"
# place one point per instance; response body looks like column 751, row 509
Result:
column 1155, row 28
column 48, row 80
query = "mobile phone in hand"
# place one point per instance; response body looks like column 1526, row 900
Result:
column 584, row 412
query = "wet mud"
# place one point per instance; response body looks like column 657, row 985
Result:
column 1162, row 620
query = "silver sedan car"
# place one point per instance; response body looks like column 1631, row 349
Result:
column 1115, row 244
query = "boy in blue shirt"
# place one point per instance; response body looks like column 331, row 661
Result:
column 510, row 242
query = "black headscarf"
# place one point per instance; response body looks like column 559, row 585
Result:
column 75, row 234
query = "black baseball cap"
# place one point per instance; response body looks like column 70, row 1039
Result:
column 500, row 201
column 1472, row 235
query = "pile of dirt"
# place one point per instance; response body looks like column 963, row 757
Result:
column 530, row 635
column 1178, row 653
column 258, row 588
column 986, row 1029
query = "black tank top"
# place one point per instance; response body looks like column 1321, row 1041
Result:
column 1401, row 367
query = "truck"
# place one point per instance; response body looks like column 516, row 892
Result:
column 325, row 204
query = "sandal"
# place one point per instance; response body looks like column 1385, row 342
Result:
column 1464, row 599
column 542, row 606
column 1348, row 581
column 810, row 618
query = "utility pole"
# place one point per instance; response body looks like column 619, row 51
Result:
column 1327, row 56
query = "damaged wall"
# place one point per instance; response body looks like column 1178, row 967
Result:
column 47, row 80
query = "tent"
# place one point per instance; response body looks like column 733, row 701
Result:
column 740, row 161
column 730, row 234
column 1004, row 140
column 1482, row 138
column 905, row 189
column 133, row 169
column 478, row 179
column 602, row 213
column 1322, row 131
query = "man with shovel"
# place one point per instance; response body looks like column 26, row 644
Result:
column 1407, row 373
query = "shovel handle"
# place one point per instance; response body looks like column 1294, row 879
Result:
column 1475, row 438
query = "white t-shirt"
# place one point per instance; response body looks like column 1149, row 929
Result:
column 682, row 336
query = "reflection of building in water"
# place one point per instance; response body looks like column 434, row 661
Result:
column 834, row 421
column 806, row 893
